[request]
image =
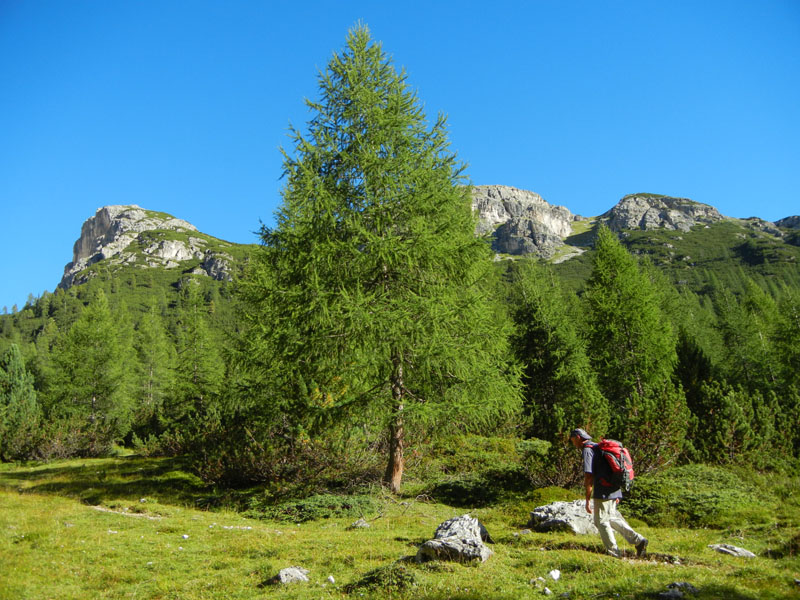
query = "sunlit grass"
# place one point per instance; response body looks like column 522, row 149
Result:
column 129, row 528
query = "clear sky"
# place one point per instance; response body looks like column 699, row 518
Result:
column 181, row 106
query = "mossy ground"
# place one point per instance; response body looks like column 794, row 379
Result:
column 132, row 528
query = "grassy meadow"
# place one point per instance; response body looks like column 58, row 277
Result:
column 131, row 527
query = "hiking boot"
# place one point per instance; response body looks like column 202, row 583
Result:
column 641, row 548
column 614, row 552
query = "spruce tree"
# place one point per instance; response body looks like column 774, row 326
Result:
column 632, row 348
column 367, row 295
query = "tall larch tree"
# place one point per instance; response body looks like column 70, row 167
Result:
column 200, row 371
column 367, row 294
column 155, row 377
column 92, row 372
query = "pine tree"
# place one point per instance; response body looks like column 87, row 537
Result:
column 733, row 425
column 367, row 295
column 632, row 347
column 19, row 410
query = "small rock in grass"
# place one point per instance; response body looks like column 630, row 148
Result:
column 683, row 586
column 292, row 575
column 732, row 550
column 186, row 537
column 547, row 591
column 360, row 524
column 555, row 574
column 331, row 579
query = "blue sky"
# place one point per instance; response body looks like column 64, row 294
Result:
column 182, row 106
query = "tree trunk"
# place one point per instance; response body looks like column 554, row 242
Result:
column 394, row 470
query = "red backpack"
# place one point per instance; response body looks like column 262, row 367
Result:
column 619, row 459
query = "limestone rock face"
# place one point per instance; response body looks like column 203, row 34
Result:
column 217, row 265
column 650, row 211
column 522, row 221
column 114, row 233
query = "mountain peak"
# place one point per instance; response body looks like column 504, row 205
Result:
column 654, row 211
column 110, row 233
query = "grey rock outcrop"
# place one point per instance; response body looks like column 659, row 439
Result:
column 110, row 233
column 651, row 211
column 459, row 539
column 562, row 516
column 792, row 222
column 520, row 221
column 217, row 265
column 763, row 226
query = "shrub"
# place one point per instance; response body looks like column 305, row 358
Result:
column 698, row 496
column 391, row 578
column 313, row 508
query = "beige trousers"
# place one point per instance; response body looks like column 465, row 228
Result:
column 608, row 520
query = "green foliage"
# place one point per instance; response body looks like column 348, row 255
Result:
column 320, row 506
column 747, row 326
column 19, row 409
column 787, row 340
column 632, row 348
column 732, row 425
column 369, row 293
column 699, row 496
column 156, row 375
column 389, row 579
column 473, row 470
column 92, row 378
column 561, row 390
column 200, row 371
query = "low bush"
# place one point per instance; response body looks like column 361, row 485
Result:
column 391, row 578
column 313, row 508
column 699, row 496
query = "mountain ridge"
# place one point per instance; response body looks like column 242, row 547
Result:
column 517, row 222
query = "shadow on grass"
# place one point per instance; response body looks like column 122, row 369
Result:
column 95, row 481
column 706, row 592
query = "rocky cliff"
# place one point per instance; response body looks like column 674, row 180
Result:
column 651, row 211
column 521, row 222
column 792, row 222
column 131, row 235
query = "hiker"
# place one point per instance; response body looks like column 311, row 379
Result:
column 602, row 504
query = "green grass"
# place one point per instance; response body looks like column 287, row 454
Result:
column 115, row 528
